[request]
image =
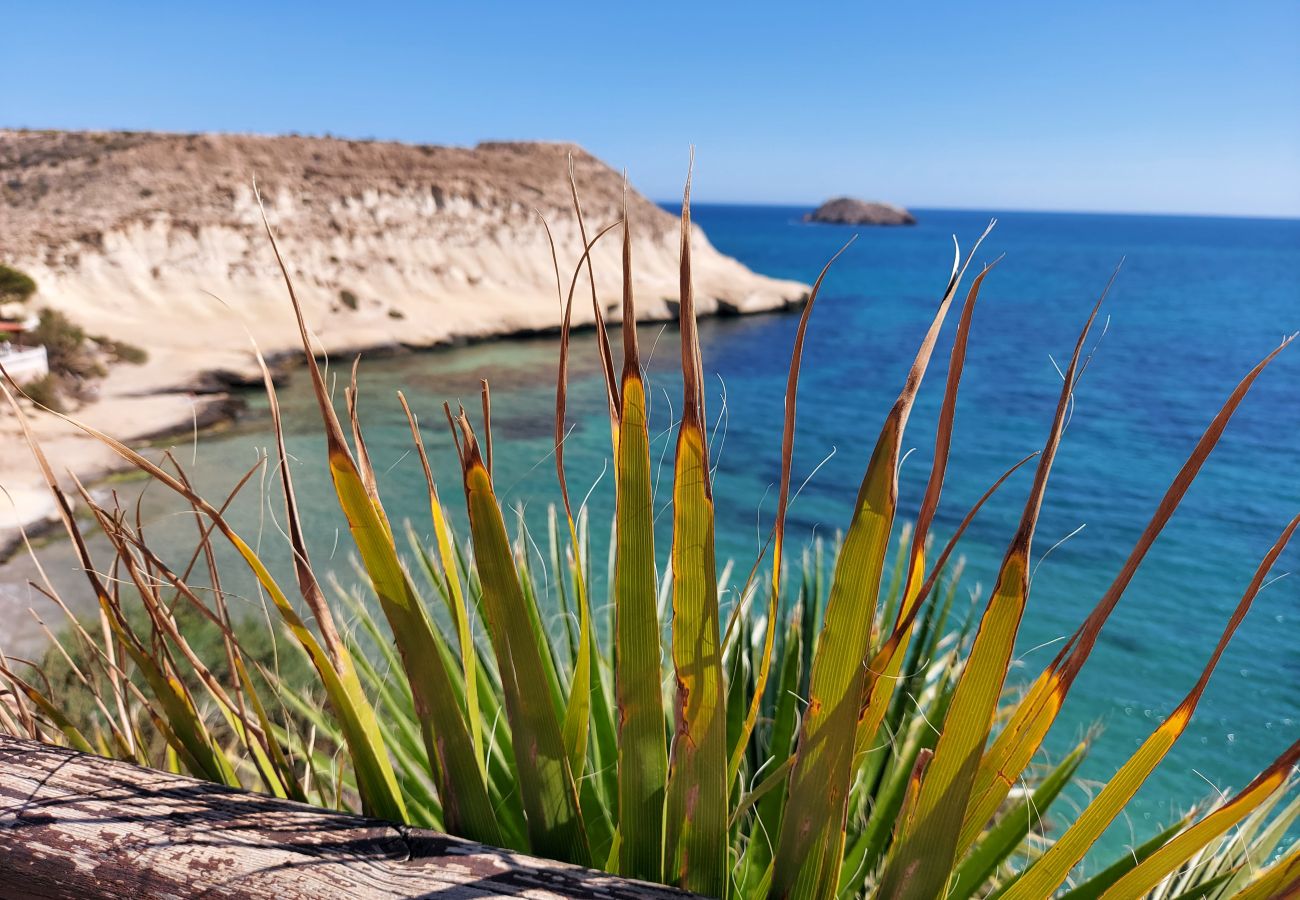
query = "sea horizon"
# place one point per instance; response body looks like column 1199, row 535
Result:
column 675, row 205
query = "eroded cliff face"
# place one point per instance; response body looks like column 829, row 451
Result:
column 157, row 239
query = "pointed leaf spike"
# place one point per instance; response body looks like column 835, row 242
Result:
column 696, row 816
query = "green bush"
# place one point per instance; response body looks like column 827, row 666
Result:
column 122, row 351
column 349, row 299
column 45, row 391
column 15, row 285
column 65, row 342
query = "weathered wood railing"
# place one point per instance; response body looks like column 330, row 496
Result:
column 77, row 826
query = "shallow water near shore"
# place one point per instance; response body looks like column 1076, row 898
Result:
column 1196, row 304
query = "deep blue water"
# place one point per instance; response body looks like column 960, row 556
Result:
column 1197, row 303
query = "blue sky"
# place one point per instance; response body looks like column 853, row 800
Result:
column 1153, row 106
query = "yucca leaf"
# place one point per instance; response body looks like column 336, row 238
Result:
column 888, row 611
column 577, row 715
column 205, row 756
column 1016, row 744
column 547, row 650
column 884, row 666
column 1257, row 838
column 260, row 759
column 279, row 762
column 808, row 853
column 598, row 314
column 255, row 736
column 120, row 731
column 155, row 662
column 563, row 558
column 695, row 842
column 1152, row 869
column 880, row 682
column 768, row 803
column 1280, row 881
column 456, row 596
column 546, row 783
column 936, row 624
column 943, row 434
column 376, row 780
column 604, row 744
column 1047, row 873
column 400, row 726
column 642, row 749
column 466, row 808
column 1000, row 841
column 71, row 733
column 920, row 864
column 910, row 736
column 162, row 667
column 911, row 794
column 578, row 708
column 361, row 456
column 738, row 680
column 778, row 529
column 882, row 672
column 1212, row 888
column 1096, row 884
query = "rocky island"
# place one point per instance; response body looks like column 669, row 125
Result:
column 157, row 240
column 851, row 211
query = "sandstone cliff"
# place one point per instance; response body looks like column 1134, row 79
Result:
column 131, row 234
column 156, row 239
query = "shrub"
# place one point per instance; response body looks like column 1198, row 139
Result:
column 349, row 299
column 122, row 351
column 65, row 342
column 15, row 286
column 833, row 736
column 45, row 391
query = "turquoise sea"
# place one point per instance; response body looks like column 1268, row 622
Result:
column 1197, row 302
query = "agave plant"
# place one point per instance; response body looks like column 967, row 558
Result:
column 845, row 735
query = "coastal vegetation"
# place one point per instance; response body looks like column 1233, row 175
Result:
column 76, row 360
column 844, row 728
column 69, row 352
column 15, row 286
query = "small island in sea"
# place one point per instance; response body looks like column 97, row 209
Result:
column 852, row 211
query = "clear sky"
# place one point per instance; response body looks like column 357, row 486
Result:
column 1146, row 106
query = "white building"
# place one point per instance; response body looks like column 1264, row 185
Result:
column 24, row 364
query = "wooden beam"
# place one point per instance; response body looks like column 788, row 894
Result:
column 78, row 826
